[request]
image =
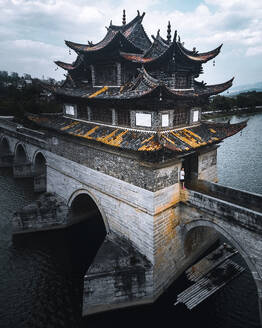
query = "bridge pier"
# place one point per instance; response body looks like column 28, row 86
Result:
column 40, row 183
column 6, row 160
column 23, row 170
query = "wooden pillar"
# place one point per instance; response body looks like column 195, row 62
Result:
column 118, row 73
column 114, row 117
column 93, row 74
column 89, row 113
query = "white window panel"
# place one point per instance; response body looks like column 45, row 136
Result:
column 70, row 110
column 143, row 119
column 165, row 120
column 195, row 115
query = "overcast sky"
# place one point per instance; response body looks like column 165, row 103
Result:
column 32, row 32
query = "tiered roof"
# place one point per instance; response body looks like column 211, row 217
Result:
column 130, row 43
column 180, row 141
column 145, row 86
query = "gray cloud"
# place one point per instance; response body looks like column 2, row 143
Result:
column 32, row 31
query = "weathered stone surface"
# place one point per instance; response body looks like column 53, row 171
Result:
column 242, row 198
column 118, row 277
column 48, row 212
column 207, row 169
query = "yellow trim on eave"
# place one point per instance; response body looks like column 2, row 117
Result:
column 98, row 92
column 69, row 126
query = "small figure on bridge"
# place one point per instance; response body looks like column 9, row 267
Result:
column 182, row 177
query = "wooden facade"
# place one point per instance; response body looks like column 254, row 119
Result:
column 127, row 78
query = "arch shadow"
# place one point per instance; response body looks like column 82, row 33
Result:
column 5, row 148
column 20, row 154
column 189, row 227
column 39, row 163
column 85, row 210
column 39, row 170
column 93, row 202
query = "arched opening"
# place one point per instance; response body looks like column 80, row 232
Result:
column 244, row 289
column 85, row 211
column 40, row 173
column 22, row 167
column 20, row 155
column 5, row 147
column 40, row 164
column 6, row 157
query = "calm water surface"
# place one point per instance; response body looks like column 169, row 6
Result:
column 40, row 276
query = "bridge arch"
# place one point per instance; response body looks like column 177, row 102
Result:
column 235, row 240
column 5, row 146
column 20, row 153
column 83, row 208
column 39, row 163
column 88, row 202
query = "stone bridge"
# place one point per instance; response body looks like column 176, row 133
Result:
column 143, row 210
column 241, row 226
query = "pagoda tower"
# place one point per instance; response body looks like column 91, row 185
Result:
column 138, row 95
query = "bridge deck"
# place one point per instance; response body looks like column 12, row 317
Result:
column 245, row 199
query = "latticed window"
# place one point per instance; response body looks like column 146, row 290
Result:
column 105, row 75
column 180, row 118
column 123, row 118
column 103, row 115
column 182, row 81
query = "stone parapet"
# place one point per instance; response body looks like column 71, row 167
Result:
column 240, row 197
column 227, row 211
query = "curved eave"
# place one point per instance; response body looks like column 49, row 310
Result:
column 119, row 138
column 188, row 139
column 217, row 88
column 67, row 67
column 144, row 86
column 111, row 40
column 93, row 95
column 98, row 46
column 205, row 91
column 199, row 57
column 178, row 140
column 135, row 58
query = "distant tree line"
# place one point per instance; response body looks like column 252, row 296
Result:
column 247, row 100
column 20, row 94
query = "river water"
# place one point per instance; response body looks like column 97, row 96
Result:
column 40, row 276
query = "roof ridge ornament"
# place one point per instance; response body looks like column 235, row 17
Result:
column 124, row 17
column 168, row 32
column 175, row 36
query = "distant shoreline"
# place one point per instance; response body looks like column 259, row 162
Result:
column 245, row 110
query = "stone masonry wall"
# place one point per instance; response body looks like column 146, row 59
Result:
column 118, row 165
column 207, row 168
column 169, row 251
